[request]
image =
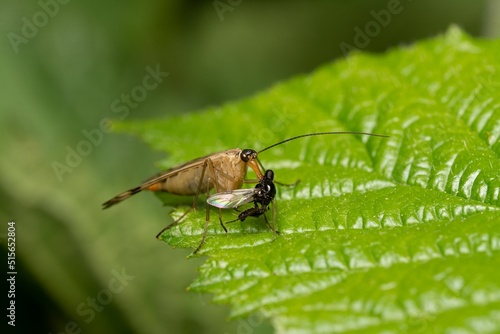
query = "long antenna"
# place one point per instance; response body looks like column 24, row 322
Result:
column 324, row 133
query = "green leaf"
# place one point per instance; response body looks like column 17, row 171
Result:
column 380, row 235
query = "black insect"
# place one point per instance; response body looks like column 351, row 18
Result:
column 261, row 195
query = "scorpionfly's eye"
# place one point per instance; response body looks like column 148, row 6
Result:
column 247, row 155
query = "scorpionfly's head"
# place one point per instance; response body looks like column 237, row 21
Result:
column 249, row 157
column 248, row 154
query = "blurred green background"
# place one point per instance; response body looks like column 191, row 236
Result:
column 59, row 80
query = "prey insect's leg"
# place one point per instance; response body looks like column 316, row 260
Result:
column 220, row 220
column 274, row 209
column 269, row 225
column 256, row 211
column 205, row 163
column 288, row 184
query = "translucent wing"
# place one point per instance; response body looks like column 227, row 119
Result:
column 231, row 199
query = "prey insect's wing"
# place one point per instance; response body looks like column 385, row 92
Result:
column 231, row 199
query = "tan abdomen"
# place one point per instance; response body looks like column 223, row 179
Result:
column 228, row 168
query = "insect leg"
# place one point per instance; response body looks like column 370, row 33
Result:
column 256, row 211
column 220, row 220
column 207, row 220
column 288, row 184
column 274, row 219
column 215, row 183
column 211, row 168
column 205, row 163
column 216, row 191
column 244, row 215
